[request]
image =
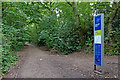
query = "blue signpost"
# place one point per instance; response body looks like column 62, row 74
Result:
column 99, row 41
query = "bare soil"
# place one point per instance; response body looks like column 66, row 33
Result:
column 37, row 62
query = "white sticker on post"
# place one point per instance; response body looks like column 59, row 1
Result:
column 98, row 39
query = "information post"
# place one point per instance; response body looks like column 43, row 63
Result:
column 99, row 41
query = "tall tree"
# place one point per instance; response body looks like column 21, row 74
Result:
column 77, row 21
column 115, row 9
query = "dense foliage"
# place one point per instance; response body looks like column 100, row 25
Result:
column 64, row 26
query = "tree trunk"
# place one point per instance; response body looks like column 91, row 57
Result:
column 110, row 26
column 77, row 23
column 77, row 18
column 0, row 24
column 112, row 16
column 0, row 37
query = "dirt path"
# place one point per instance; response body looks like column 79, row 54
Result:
column 36, row 63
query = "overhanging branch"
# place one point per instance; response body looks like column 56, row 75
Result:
column 69, row 3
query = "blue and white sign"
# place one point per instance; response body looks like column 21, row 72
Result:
column 99, row 39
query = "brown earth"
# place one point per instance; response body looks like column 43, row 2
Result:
column 38, row 63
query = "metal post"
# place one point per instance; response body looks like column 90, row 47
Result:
column 102, row 42
column 94, row 67
column 99, row 42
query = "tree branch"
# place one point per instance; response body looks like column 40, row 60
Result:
column 69, row 3
column 115, row 11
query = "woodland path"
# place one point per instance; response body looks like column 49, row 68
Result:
column 35, row 62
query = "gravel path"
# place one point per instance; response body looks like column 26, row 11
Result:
column 37, row 63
